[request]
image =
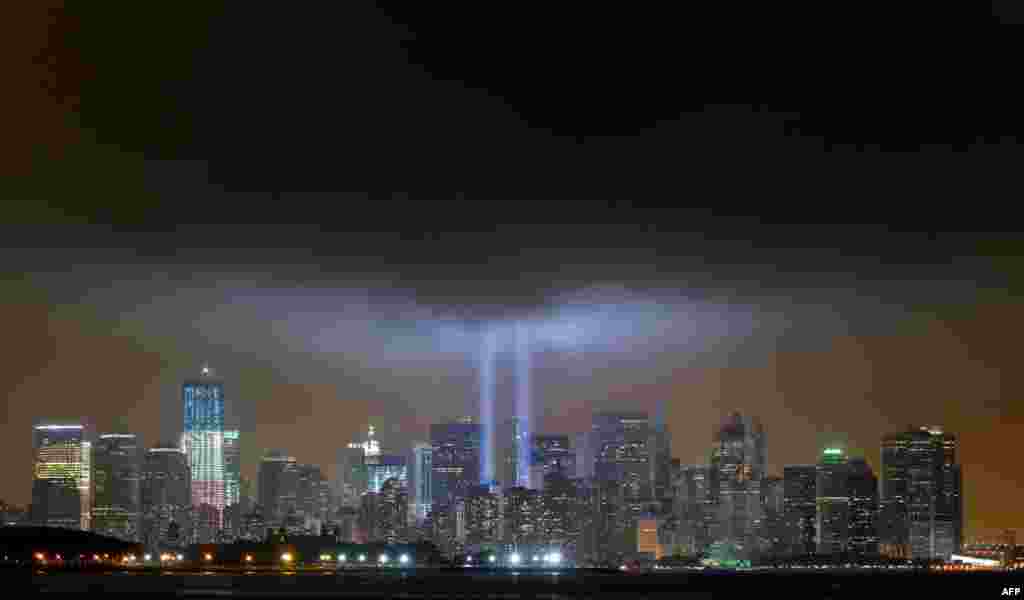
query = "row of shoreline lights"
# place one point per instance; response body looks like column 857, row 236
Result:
column 552, row 558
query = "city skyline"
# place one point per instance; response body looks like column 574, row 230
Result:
column 388, row 449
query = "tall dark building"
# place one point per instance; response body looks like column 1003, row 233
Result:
column 511, row 438
column 116, row 474
column 862, row 487
column 692, row 508
column 624, row 453
column 737, row 468
column 166, row 498
column 554, row 454
column 278, row 487
column 833, row 500
column 312, row 496
column 455, row 460
column 799, row 507
column 921, row 494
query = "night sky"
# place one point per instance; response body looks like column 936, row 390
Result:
column 838, row 255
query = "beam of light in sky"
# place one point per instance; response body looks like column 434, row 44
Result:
column 523, row 403
column 487, row 385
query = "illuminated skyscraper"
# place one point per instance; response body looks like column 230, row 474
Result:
column 383, row 467
column 62, row 478
column 116, row 465
column 422, row 467
column 203, row 443
column 232, row 467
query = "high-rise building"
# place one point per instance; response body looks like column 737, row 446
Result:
column 482, row 510
column 62, row 476
column 553, row 453
column 278, row 487
column 382, row 467
column 800, row 506
column 624, row 453
column 116, row 466
column 737, row 468
column 833, row 499
column 585, row 449
column 862, row 487
column 422, row 468
column 203, row 442
column 455, row 458
column 522, row 511
column 165, row 498
column 351, row 476
column 312, row 497
column 232, row 467
column 692, row 507
column 921, row 494
column 511, row 446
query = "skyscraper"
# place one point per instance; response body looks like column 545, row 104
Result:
column 165, row 497
column 624, row 453
column 278, row 487
column 833, row 500
column 232, row 467
column 737, row 468
column 554, row 454
column 800, row 506
column 455, row 456
column 921, row 496
column 116, row 466
column 203, row 443
column 863, row 491
column 422, row 468
column 62, row 478
column 383, row 467
column 312, row 496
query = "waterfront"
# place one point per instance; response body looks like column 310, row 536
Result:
column 424, row 583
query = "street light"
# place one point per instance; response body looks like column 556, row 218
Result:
column 383, row 559
column 341, row 558
column 514, row 559
column 404, row 559
column 362, row 558
column 248, row 558
column 492, row 559
column 286, row 557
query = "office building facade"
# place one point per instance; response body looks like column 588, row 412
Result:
column 117, row 462
column 165, row 497
column 833, row 502
column 800, row 508
column 203, row 443
column 62, row 476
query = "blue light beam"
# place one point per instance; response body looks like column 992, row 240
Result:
column 488, row 353
column 523, row 404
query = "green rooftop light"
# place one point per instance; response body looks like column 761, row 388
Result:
column 833, row 450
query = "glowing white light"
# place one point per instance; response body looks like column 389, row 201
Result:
column 555, row 558
column 148, row 557
column 383, row 558
column 514, row 559
column 181, row 557
column 536, row 559
column 341, row 558
column 404, row 559
column 362, row 558
column 286, row 557
column 492, row 559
